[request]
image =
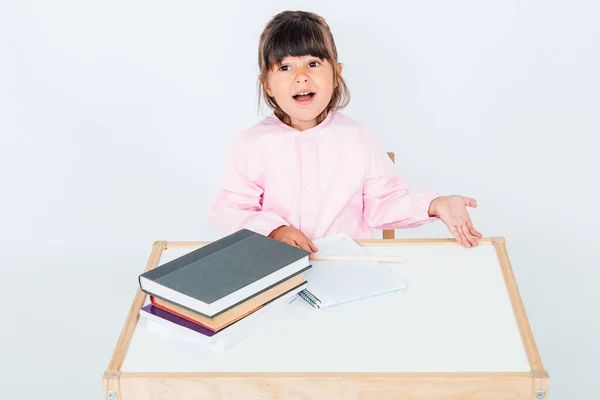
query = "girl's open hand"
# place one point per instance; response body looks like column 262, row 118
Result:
column 453, row 212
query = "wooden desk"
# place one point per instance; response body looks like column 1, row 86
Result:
column 459, row 331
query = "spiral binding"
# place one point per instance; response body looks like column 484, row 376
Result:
column 310, row 298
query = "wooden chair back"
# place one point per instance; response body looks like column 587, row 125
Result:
column 390, row 233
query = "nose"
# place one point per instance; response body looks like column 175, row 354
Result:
column 301, row 76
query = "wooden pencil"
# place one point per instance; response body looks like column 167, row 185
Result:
column 326, row 257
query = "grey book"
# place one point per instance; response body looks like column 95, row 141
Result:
column 225, row 273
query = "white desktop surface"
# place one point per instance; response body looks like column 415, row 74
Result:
column 454, row 316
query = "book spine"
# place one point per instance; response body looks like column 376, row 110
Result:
column 310, row 298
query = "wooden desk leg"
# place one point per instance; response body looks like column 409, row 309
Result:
column 110, row 385
column 112, row 376
column 541, row 384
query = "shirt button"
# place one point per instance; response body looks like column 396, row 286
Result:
column 307, row 188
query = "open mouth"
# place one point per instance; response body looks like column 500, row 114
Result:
column 304, row 97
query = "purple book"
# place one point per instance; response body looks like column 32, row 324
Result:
column 150, row 309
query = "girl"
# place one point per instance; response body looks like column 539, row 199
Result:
column 307, row 170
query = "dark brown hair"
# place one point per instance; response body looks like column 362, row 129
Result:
column 298, row 33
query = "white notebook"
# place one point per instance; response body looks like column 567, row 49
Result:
column 332, row 283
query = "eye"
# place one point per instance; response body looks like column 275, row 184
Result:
column 283, row 66
column 314, row 62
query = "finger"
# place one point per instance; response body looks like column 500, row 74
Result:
column 472, row 230
column 470, row 202
column 302, row 241
column 467, row 234
column 291, row 242
column 455, row 233
column 311, row 245
column 465, row 239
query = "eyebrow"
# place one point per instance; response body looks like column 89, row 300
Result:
column 283, row 61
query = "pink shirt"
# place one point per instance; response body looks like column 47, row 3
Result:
column 329, row 179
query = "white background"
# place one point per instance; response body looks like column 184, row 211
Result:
column 116, row 117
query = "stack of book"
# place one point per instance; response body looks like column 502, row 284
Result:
column 217, row 293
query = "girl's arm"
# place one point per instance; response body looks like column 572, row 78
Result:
column 238, row 203
column 388, row 202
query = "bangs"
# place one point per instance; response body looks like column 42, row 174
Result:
column 296, row 38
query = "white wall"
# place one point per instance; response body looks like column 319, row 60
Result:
column 115, row 118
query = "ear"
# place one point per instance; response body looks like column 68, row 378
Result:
column 339, row 73
column 267, row 87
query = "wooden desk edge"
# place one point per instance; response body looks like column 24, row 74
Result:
column 342, row 385
column 362, row 242
column 511, row 383
column 510, row 282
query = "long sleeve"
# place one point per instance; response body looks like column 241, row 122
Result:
column 388, row 203
column 238, row 203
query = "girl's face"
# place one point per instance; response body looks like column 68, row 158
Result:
column 302, row 87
